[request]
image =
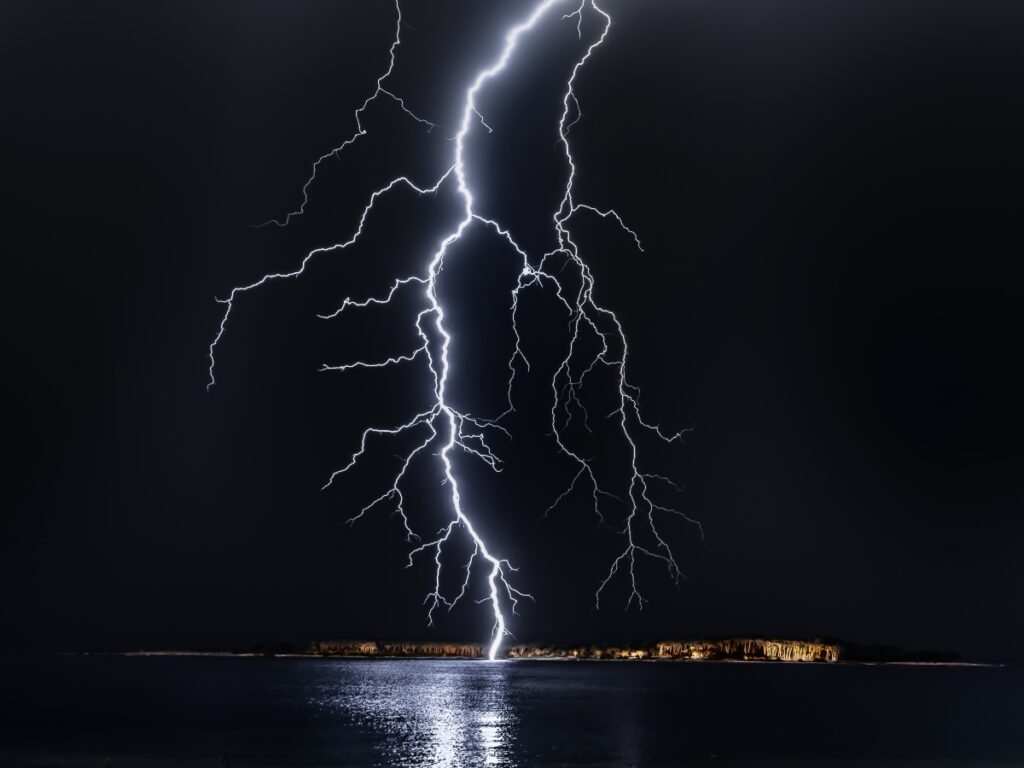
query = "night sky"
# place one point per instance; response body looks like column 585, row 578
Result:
column 830, row 196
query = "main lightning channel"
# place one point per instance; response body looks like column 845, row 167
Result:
column 468, row 112
column 470, row 434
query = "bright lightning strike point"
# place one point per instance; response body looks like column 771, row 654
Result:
column 458, row 431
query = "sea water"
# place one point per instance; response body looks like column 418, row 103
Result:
column 210, row 711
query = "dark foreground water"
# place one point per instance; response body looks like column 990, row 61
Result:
column 145, row 712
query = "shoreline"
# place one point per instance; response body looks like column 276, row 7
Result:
column 377, row 657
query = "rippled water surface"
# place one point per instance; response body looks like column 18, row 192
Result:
column 73, row 711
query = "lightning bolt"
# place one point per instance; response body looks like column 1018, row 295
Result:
column 456, row 431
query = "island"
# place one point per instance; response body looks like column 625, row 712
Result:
column 732, row 649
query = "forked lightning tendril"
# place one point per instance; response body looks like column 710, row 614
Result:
column 442, row 429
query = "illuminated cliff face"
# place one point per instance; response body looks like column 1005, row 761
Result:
column 749, row 649
column 346, row 648
column 446, row 650
column 422, row 650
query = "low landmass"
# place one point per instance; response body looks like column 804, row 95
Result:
column 749, row 649
column 741, row 649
